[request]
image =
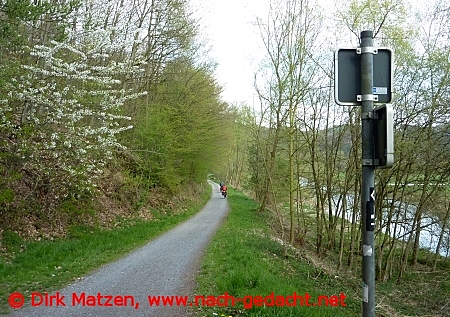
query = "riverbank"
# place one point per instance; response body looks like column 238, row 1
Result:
column 248, row 260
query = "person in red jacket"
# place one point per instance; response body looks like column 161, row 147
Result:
column 224, row 190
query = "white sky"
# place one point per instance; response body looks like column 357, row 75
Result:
column 228, row 26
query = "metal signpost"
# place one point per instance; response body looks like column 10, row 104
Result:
column 363, row 76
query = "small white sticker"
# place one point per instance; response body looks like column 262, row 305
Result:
column 367, row 250
column 379, row 90
column 365, row 293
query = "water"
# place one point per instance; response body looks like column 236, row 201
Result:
column 403, row 218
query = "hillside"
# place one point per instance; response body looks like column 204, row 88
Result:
column 247, row 259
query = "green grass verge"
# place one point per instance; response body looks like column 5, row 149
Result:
column 243, row 260
column 48, row 265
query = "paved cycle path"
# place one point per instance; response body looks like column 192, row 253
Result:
column 166, row 265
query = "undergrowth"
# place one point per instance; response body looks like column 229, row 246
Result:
column 248, row 258
column 46, row 265
column 244, row 260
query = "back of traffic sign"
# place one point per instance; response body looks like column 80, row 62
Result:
column 347, row 76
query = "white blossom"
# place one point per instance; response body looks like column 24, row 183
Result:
column 74, row 128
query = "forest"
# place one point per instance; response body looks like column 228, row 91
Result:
column 107, row 104
column 304, row 151
column 102, row 101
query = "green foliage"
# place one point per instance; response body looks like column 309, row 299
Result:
column 66, row 93
column 64, row 114
column 11, row 240
column 16, row 11
column 6, row 196
column 183, row 133
column 77, row 208
column 383, row 17
column 243, row 259
column 81, row 231
column 19, row 17
column 323, row 140
column 238, row 168
column 42, row 266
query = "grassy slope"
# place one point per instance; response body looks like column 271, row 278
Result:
column 48, row 265
column 243, row 260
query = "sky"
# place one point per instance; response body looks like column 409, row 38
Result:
column 229, row 28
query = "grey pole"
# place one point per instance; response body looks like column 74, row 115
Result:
column 368, row 174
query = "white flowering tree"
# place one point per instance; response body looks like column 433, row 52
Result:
column 62, row 115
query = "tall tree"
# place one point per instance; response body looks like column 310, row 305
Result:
column 63, row 115
column 288, row 37
column 187, row 126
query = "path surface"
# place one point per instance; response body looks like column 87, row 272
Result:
column 167, row 265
